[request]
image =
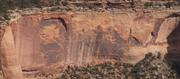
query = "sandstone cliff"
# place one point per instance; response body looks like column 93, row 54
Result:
column 41, row 40
column 52, row 40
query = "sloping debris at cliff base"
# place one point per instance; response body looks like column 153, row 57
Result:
column 151, row 67
column 101, row 71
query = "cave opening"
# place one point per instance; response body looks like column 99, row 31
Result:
column 173, row 49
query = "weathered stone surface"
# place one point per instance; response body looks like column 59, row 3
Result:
column 10, row 64
column 167, row 27
column 56, row 39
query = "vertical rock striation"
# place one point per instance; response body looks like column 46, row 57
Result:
column 56, row 39
column 10, row 64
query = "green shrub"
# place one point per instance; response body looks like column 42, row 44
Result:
column 148, row 4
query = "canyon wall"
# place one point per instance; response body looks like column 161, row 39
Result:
column 53, row 40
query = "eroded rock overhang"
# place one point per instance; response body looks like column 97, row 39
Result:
column 56, row 39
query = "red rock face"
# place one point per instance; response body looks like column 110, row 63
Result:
column 53, row 40
column 40, row 40
column 9, row 57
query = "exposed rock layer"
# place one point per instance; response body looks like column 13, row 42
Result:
column 57, row 39
column 9, row 56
